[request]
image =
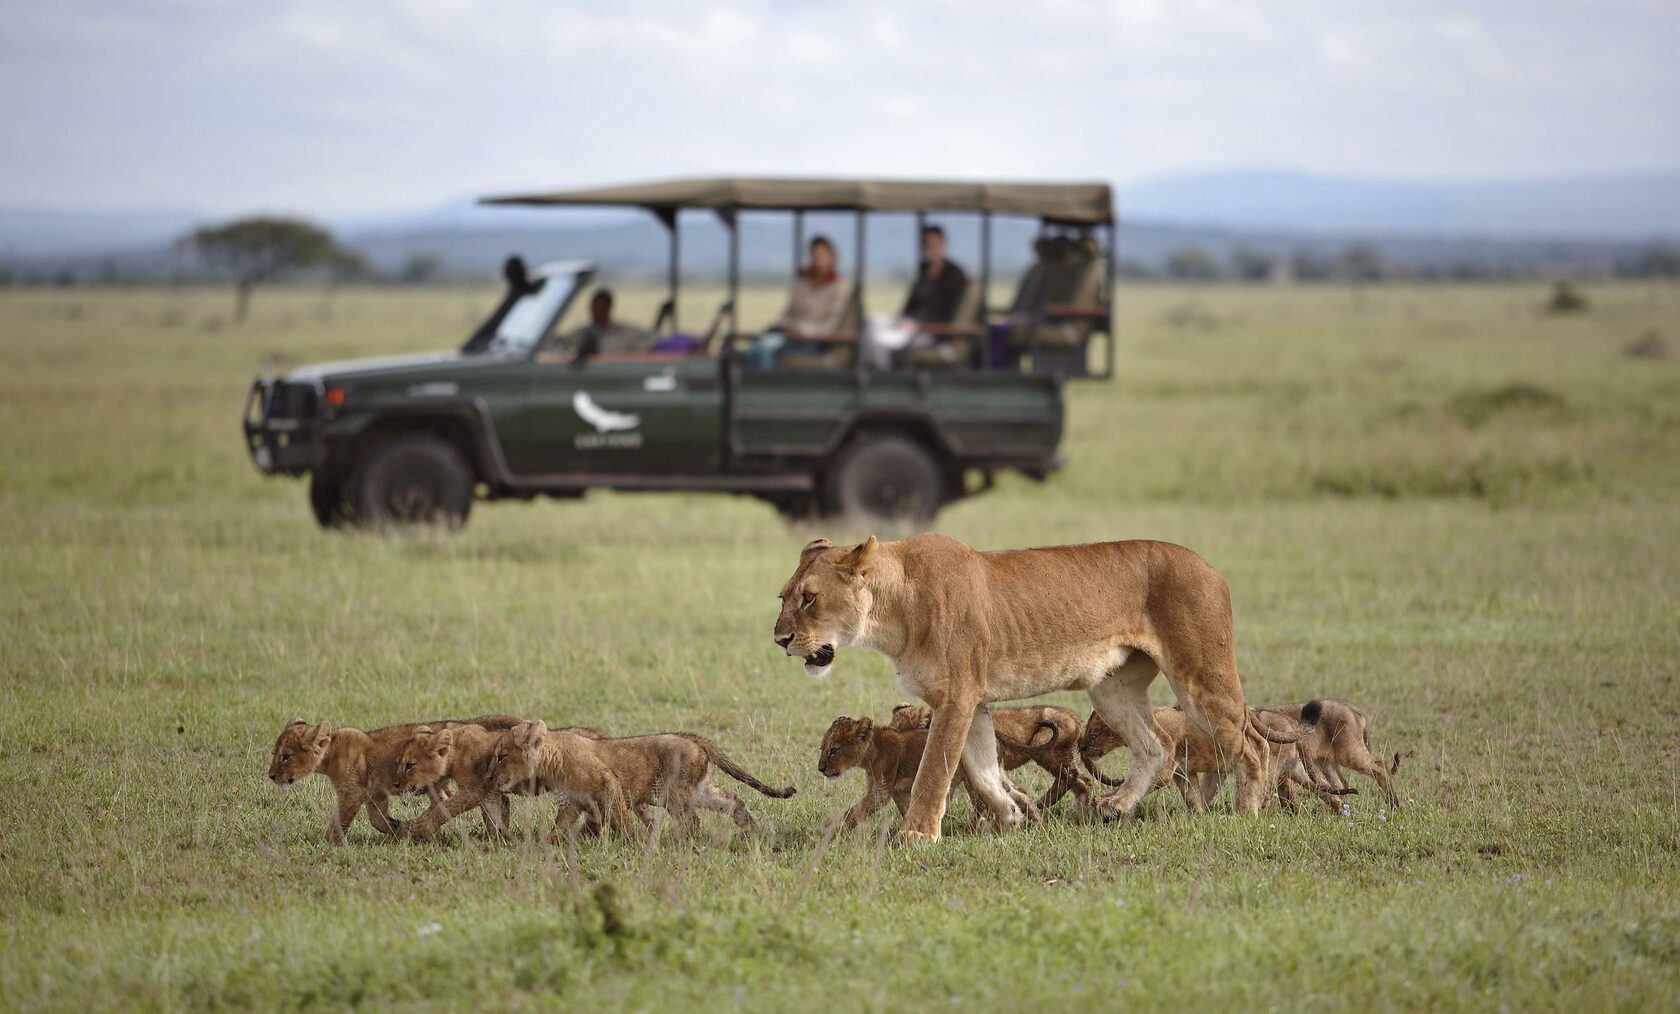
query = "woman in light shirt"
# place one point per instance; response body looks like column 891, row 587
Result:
column 816, row 308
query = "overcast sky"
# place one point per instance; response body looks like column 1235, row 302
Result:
column 365, row 106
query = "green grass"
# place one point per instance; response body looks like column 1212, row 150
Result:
column 1440, row 503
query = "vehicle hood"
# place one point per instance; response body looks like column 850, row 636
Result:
column 387, row 367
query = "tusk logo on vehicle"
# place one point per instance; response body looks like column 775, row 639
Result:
column 608, row 426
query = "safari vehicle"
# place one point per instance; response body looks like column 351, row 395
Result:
column 515, row 413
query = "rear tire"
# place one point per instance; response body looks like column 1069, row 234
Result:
column 413, row 480
column 327, row 501
column 885, row 479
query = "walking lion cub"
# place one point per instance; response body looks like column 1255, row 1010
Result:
column 605, row 779
column 362, row 766
column 462, row 753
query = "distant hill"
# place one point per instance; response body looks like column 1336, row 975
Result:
column 1630, row 206
column 1576, row 224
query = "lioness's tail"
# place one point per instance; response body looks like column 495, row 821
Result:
column 1030, row 747
column 734, row 770
column 1310, row 715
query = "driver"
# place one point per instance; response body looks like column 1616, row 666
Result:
column 603, row 334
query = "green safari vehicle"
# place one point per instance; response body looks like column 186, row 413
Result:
column 854, row 429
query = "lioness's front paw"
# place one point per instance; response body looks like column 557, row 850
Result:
column 914, row 837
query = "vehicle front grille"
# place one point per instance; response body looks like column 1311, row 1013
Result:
column 291, row 401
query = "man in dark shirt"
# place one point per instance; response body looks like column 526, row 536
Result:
column 940, row 283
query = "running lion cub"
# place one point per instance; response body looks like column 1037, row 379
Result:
column 362, row 766
column 462, row 753
column 605, row 779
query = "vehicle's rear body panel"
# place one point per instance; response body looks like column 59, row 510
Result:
column 980, row 419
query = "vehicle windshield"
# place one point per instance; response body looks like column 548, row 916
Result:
column 527, row 321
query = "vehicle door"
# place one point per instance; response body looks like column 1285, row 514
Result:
column 646, row 416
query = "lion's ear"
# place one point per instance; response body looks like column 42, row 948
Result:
column 862, row 559
column 444, row 739
column 864, row 725
column 322, row 735
column 539, row 729
column 816, row 544
column 295, row 722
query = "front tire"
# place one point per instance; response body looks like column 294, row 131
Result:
column 411, row 481
column 327, row 500
column 886, row 479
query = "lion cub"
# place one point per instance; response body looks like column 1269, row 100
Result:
column 362, row 766
column 889, row 757
column 606, row 778
column 1341, row 738
column 462, row 753
column 1021, row 737
column 1194, row 762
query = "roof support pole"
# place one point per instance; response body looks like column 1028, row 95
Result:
column 859, row 359
column 668, row 218
column 1109, row 294
column 798, row 239
column 985, row 268
column 730, row 218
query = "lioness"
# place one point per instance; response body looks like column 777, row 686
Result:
column 606, row 778
column 1044, row 734
column 1196, row 765
column 362, row 766
column 434, row 756
column 964, row 628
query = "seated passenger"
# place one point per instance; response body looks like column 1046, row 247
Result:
column 817, row 307
column 940, row 283
column 603, row 334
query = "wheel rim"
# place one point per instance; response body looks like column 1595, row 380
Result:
column 413, row 498
column 892, row 493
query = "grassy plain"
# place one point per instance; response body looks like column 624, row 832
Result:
column 1437, row 502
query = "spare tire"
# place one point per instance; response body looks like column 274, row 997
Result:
column 885, row 479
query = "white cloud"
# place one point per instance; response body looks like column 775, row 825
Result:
column 337, row 107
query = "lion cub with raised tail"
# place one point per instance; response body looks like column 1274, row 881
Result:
column 462, row 753
column 362, row 766
column 606, row 778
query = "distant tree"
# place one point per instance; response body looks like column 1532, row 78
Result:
column 420, row 269
column 1658, row 262
column 1361, row 263
column 255, row 250
column 1192, row 263
column 1251, row 264
column 1307, row 266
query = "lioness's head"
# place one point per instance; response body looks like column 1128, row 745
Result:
column 425, row 759
column 298, row 751
column 825, row 604
column 910, row 717
column 514, row 762
column 844, row 745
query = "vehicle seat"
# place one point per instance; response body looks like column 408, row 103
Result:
column 957, row 343
column 1058, row 301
